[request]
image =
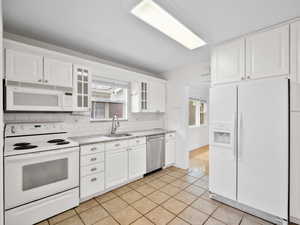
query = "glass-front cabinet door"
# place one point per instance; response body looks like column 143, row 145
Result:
column 81, row 79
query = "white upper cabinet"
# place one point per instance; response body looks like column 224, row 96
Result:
column 156, row 97
column 295, row 51
column 23, row 66
column 148, row 96
column 57, row 72
column 81, row 90
column 267, row 53
column 228, row 62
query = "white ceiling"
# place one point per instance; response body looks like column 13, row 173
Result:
column 106, row 29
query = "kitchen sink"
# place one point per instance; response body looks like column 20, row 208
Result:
column 119, row 135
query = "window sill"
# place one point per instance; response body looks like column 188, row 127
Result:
column 106, row 120
column 199, row 126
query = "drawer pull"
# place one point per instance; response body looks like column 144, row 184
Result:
column 93, row 179
column 93, row 159
column 93, row 169
column 129, row 149
column 93, row 149
column 117, row 145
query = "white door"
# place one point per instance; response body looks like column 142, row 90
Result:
column 222, row 160
column 156, row 95
column 23, row 66
column 81, row 88
column 116, row 167
column 267, row 53
column 228, row 62
column 137, row 161
column 263, row 166
column 170, row 151
column 295, row 51
column 58, row 73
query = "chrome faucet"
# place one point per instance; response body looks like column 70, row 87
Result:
column 115, row 124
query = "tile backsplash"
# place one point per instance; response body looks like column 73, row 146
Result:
column 80, row 124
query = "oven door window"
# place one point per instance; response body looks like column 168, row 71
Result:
column 40, row 174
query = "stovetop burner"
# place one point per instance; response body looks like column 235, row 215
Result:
column 56, row 141
column 22, row 144
column 63, row 143
column 25, row 147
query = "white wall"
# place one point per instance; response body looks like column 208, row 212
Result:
column 198, row 136
column 179, row 83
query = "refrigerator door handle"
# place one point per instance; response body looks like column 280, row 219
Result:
column 239, row 136
column 235, row 135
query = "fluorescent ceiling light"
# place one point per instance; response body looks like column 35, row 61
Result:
column 151, row 13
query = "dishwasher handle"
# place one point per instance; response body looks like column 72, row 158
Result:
column 151, row 138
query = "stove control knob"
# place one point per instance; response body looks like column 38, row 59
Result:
column 13, row 129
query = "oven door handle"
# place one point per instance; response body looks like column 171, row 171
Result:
column 34, row 155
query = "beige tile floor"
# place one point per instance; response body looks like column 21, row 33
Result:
column 172, row 196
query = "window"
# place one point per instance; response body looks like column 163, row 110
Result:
column 109, row 98
column 197, row 112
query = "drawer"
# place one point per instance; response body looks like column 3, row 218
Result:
column 91, row 149
column 137, row 141
column 91, row 169
column 116, row 145
column 170, row 135
column 91, row 184
column 92, row 159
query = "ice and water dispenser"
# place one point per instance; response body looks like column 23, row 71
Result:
column 222, row 134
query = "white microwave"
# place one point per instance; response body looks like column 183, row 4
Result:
column 37, row 99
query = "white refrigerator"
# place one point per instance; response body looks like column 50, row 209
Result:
column 249, row 146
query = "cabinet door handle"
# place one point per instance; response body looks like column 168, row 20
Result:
column 93, row 159
column 40, row 80
column 117, row 145
column 93, row 169
column 93, row 149
column 248, row 77
column 93, row 179
column 46, row 81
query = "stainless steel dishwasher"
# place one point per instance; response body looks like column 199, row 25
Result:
column 155, row 152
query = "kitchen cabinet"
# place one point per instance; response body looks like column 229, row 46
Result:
column 295, row 51
column 116, row 171
column 92, row 167
column 170, row 149
column 157, row 97
column 58, row 73
column 267, row 53
column 81, row 86
column 23, row 66
column 228, row 62
column 137, row 161
column 147, row 96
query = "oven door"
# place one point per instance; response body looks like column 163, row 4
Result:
column 34, row 176
column 33, row 99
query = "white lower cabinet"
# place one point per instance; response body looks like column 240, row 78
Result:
column 109, row 165
column 116, row 171
column 136, row 161
column 170, row 149
column 91, row 184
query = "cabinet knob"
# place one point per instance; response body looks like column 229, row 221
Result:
column 243, row 78
column 46, row 81
column 40, row 80
column 93, row 169
column 93, row 179
column 93, row 159
column 248, row 77
column 93, row 149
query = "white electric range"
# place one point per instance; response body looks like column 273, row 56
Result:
column 41, row 172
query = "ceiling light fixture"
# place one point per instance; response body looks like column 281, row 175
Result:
column 151, row 13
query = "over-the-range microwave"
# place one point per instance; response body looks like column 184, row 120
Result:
column 20, row 98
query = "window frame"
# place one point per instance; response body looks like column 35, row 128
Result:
column 125, row 109
column 198, row 112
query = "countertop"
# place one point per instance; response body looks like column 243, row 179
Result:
column 98, row 138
